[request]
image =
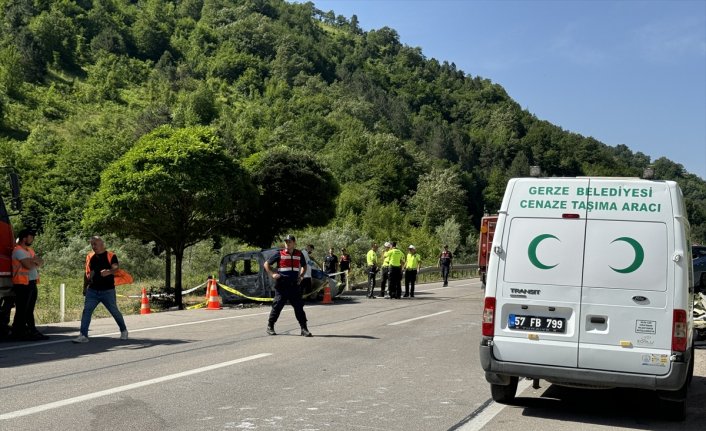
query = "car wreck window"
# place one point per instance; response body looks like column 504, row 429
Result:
column 239, row 268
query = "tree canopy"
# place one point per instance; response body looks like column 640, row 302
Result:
column 174, row 187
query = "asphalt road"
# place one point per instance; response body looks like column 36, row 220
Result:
column 409, row 364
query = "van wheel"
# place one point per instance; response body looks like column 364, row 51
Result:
column 674, row 403
column 504, row 393
column 674, row 410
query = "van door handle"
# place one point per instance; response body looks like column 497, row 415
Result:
column 595, row 319
column 639, row 298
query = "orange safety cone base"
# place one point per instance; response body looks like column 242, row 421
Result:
column 327, row 296
column 214, row 302
column 145, row 303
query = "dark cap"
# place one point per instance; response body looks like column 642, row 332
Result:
column 446, row 246
column 290, row 238
column 24, row 233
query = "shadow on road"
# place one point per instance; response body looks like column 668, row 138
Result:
column 60, row 347
column 626, row 408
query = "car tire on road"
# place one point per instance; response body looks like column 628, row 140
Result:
column 504, row 393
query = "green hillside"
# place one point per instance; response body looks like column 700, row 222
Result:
column 418, row 149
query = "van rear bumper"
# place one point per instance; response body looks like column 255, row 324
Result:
column 499, row 372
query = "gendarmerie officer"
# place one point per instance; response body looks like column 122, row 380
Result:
column 291, row 267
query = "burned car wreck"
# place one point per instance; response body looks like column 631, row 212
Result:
column 244, row 275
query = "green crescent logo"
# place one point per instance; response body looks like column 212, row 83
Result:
column 639, row 255
column 532, row 251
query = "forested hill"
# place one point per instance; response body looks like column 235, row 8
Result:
column 414, row 143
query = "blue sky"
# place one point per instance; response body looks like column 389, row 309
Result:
column 624, row 72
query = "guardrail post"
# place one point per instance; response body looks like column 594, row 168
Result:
column 62, row 301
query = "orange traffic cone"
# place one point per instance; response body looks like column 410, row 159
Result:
column 327, row 296
column 144, row 303
column 214, row 302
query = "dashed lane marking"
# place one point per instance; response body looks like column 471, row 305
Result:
column 417, row 318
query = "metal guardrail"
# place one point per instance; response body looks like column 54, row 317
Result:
column 428, row 269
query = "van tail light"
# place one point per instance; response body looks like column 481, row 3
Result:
column 679, row 331
column 489, row 317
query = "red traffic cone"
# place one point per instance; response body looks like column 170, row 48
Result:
column 327, row 296
column 214, row 302
column 144, row 303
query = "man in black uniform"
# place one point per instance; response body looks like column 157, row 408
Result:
column 445, row 260
column 330, row 262
column 291, row 267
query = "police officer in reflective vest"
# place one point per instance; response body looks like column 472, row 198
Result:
column 385, row 269
column 291, row 267
column 396, row 258
column 412, row 264
column 371, row 259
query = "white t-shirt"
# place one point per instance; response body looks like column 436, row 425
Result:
column 309, row 262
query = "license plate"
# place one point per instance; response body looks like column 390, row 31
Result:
column 536, row 323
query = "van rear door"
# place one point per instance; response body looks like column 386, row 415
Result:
column 541, row 230
column 627, row 298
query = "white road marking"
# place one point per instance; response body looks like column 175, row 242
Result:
column 417, row 318
column 74, row 400
column 493, row 409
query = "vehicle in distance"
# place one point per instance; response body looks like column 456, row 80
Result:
column 245, row 273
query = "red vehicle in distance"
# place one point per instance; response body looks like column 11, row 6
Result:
column 485, row 242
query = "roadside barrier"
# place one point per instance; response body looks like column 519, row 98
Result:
column 214, row 302
column 145, row 303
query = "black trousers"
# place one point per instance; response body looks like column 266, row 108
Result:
column 25, row 300
column 383, row 282
column 372, row 271
column 410, row 277
column 445, row 273
column 287, row 289
column 395, row 282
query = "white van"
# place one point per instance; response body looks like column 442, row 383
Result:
column 590, row 284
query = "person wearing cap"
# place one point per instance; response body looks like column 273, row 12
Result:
column 371, row 259
column 445, row 262
column 411, row 268
column 385, row 269
column 25, row 276
column 396, row 257
column 291, row 267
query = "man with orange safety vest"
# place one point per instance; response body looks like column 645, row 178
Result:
column 291, row 267
column 101, row 267
column 25, row 277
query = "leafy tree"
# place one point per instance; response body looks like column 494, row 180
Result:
column 296, row 191
column 449, row 234
column 439, row 197
column 176, row 187
column 493, row 193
